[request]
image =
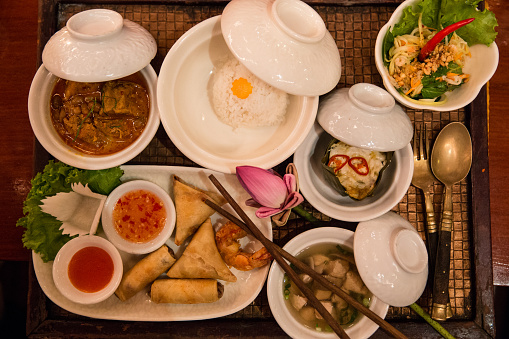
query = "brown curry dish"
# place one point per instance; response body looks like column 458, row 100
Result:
column 100, row 118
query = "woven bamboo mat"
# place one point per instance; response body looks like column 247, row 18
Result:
column 355, row 29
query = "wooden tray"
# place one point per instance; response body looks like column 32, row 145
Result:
column 354, row 25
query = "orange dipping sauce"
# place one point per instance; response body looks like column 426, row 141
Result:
column 90, row 269
column 139, row 216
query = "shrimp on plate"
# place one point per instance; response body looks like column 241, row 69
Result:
column 229, row 248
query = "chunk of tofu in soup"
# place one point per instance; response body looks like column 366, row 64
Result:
column 337, row 265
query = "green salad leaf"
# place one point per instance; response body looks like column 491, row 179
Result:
column 42, row 233
column 442, row 13
column 432, row 88
column 479, row 31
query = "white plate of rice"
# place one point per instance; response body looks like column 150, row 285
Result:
column 215, row 129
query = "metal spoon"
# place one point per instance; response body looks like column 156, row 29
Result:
column 451, row 159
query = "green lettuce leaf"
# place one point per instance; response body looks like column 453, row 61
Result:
column 42, row 233
column 442, row 13
column 408, row 21
column 433, row 88
column 479, row 31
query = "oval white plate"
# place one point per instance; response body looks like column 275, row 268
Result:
column 139, row 308
column 324, row 198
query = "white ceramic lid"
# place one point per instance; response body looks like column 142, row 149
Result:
column 98, row 45
column 365, row 116
column 283, row 42
column 391, row 258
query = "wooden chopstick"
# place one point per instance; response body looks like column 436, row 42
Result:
column 270, row 246
column 251, row 228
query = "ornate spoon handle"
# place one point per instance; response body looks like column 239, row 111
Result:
column 441, row 309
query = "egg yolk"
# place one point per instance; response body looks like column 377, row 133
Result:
column 241, row 88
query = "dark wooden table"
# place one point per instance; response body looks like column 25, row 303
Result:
column 18, row 60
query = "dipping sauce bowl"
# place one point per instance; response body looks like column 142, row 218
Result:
column 138, row 217
column 87, row 269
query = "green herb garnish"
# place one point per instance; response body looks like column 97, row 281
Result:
column 82, row 121
column 42, row 231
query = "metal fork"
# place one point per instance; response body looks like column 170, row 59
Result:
column 423, row 179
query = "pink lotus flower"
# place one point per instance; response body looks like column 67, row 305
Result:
column 270, row 193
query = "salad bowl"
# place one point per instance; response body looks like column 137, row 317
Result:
column 480, row 66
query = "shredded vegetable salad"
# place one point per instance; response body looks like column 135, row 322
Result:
column 425, row 72
column 440, row 72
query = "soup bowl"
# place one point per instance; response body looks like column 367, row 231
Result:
column 287, row 317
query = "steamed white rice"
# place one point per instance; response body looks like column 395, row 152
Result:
column 265, row 106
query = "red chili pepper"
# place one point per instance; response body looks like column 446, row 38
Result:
column 433, row 42
column 338, row 161
column 359, row 165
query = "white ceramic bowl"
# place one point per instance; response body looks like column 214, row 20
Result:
column 283, row 42
column 61, row 264
column 191, row 123
column 132, row 247
column 39, row 113
column 98, row 45
column 481, row 67
column 391, row 189
column 362, row 329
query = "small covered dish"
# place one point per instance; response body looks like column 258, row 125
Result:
column 361, row 122
column 367, row 127
column 92, row 104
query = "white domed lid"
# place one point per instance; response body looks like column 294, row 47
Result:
column 391, row 259
column 365, row 116
column 98, row 45
column 284, row 43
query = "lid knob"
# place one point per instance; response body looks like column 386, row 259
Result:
column 298, row 20
column 409, row 250
column 95, row 24
column 371, row 98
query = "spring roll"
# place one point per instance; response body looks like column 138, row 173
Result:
column 190, row 208
column 144, row 272
column 186, row 291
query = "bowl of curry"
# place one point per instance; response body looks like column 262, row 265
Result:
column 94, row 125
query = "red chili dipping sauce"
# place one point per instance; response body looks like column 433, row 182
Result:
column 90, row 269
column 139, row 216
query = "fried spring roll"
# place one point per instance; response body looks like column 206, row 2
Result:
column 144, row 272
column 186, row 291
